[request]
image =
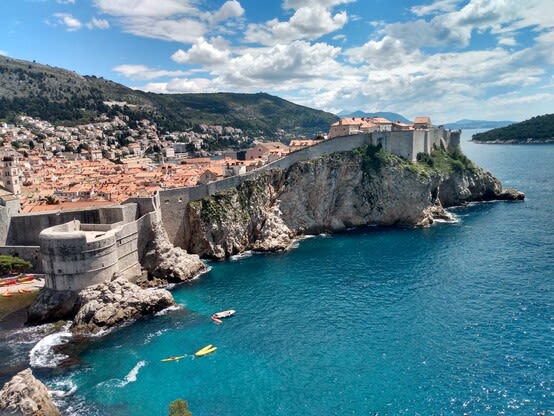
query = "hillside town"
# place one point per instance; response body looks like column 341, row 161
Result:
column 49, row 167
column 59, row 167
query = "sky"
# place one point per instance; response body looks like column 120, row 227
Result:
column 448, row 59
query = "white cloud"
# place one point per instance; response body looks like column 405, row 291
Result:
column 98, row 24
column 306, row 23
column 181, row 30
column 70, row 22
column 440, row 6
column 172, row 20
column 385, row 53
column 146, row 8
column 280, row 65
column 181, row 85
column 3, row 53
column 297, row 4
column 507, row 41
column 142, row 72
column 391, row 71
column 202, row 52
column 230, row 9
column 455, row 27
column 66, row 1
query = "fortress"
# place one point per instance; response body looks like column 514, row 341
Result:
column 75, row 249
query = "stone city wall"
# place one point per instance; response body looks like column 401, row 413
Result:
column 24, row 229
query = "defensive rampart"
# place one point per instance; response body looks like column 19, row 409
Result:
column 76, row 255
column 403, row 143
column 82, row 247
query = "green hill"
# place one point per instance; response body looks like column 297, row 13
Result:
column 65, row 97
column 539, row 129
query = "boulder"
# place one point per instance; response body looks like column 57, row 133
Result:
column 109, row 304
column 52, row 305
column 24, row 395
column 509, row 194
column 166, row 263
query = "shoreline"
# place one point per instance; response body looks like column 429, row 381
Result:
column 549, row 141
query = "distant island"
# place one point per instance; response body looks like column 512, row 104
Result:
column 466, row 124
column 385, row 114
column 539, row 129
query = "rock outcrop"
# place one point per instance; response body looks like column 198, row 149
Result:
column 24, row 395
column 333, row 193
column 52, row 305
column 166, row 263
column 110, row 304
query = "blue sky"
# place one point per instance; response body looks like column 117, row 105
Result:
column 450, row 59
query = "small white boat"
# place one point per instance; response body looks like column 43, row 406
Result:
column 223, row 314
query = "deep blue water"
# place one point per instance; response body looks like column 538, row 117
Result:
column 452, row 319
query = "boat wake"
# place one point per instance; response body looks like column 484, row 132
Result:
column 131, row 377
column 43, row 355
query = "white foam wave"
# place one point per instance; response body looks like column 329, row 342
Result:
column 453, row 219
column 42, row 354
column 132, row 376
column 169, row 309
column 152, row 335
column 240, row 256
column 63, row 389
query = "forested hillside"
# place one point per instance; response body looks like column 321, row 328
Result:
column 65, row 97
column 539, row 129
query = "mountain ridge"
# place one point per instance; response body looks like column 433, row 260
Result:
column 66, row 97
column 385, row 114
column 466, row 124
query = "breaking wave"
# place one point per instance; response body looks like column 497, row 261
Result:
column 42, row 355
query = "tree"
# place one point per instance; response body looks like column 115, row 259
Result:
column 179, row 407
column 13, row 264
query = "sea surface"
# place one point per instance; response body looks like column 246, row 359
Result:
column 453, row 319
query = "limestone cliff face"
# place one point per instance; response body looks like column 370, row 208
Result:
column 24, row 395
column 330, row 194
column 166, row 263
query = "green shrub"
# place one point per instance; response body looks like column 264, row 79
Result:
column 179, row 407
column 13, row 264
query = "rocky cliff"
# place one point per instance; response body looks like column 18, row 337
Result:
column 107, row 305
column 332, row 193
column 24, row 395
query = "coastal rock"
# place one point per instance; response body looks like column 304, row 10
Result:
column 245, row 218
column 274, row 234
column 24, row 395
column 109, row 304
column 330, row 194
column 509, row 194
column 169, row 264
column 52, row 305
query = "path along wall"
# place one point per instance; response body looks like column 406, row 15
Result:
column 406, row 144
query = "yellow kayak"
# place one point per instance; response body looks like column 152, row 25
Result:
column 207, row 347
column 205, row 351
column 173, row 358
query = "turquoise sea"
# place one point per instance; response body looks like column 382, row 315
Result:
column 454, row 319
